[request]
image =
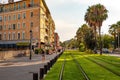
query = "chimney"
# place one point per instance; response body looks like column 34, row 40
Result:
column 10, row 1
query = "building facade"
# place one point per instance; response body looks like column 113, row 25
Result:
column 47, row 26
column 57, row 41
column 17, row 19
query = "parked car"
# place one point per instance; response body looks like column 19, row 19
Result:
column 105, row 50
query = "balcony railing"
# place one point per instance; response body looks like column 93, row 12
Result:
column 20, row 8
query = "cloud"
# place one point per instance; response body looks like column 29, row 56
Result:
column 65, row 29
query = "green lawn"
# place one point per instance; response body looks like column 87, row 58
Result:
column 93, row 70
column 71, row 71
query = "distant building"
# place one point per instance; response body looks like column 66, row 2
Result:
column 18, row 18
column 57, row 41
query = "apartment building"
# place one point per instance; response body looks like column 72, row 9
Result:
column 20, row 19
column 57, row 41
column 47, row 26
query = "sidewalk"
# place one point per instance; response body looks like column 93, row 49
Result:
column 20, row 68
column 117, row 55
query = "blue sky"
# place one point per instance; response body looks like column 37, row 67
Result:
column 68, row 15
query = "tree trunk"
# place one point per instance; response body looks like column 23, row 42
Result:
column 100, row 43
column 95, row 48
column 114, row 41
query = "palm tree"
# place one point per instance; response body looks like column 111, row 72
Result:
column 118, row 32
column 95, row 16
column 112, row 31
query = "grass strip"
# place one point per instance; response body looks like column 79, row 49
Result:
column 113, row 69
column 107, row 61
column 71, row 71
column 54, row 72
column 94, row 71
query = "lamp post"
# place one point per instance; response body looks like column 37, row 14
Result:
column 30, row 45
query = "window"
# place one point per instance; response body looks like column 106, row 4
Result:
column 0, row 18
column 24, row 15
column 5, row 18
column 14, row 17
column 18, row 16
column 31, row 14
column 10, row 7
column 0, row 36
column 18, row 5
column 9, row 17
column 24, row 4
column 31, row 2
column 18, row 25
column 31, row 24
column 4, row 27
column 23, row 35
column 1, row 9
column 14, row 6
column 5, row 8
column 18, row 36
column 4, row 36
column 13, row 36
column 9, row 36
column 9, row 26
column 0, row 27
column 14, row 26
column 24, row 25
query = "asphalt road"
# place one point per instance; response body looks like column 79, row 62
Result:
column 21, row 68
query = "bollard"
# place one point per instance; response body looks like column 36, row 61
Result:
column 50, row 63
column 45, row 69
column 48, row 66
column 35, row 76
column 41, row 73
column 54, row 60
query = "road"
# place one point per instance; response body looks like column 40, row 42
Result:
column 21, row 68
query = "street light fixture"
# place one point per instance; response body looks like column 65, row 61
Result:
column 30, row 45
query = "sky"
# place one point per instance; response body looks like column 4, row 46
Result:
column 68, row 15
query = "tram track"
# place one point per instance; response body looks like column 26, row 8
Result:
column 80, row 68
column 100, row 64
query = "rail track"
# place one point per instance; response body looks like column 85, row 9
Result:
column 62, row 69
column 113, row 64
column 114, row 72
column 84, row 75
column 80, row 68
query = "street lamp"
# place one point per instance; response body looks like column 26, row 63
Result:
column 30, row 45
